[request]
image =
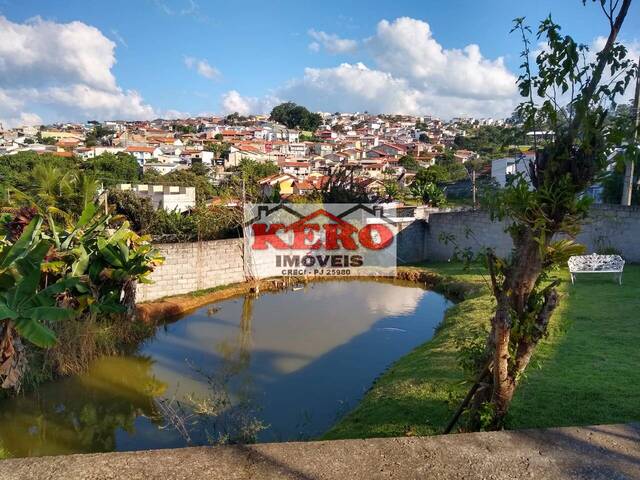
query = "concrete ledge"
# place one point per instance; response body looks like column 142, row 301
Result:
column 608, row 452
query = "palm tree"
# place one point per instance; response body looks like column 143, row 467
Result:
column 52, row 185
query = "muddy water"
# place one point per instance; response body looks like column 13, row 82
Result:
column 283, row 366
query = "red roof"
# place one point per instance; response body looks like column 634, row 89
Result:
column 296, row 164
column 303, row 185
column 140, row 149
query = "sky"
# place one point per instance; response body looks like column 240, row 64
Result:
column 78, row 60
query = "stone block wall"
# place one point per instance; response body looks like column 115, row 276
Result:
column 615, row 228
column 410, row 241
column 200, row 265
column 609, row 227
column 194, row 266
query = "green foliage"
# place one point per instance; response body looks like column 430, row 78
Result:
column 491, row 141
column 45, row 140
column 392, row 189
column 17, row 170
column 620, row 130
column 23, row 305
column 98, row 136
column 440, row 173
column 409, row 162
column 551, row 203
column 309, row 138
column 221, row 149
column 428, row 193
column 112, row 169
column 295, row 116
column 138, row 210
column 249, row 172
column 235, row 119
column 184, row 128
column 51, row 274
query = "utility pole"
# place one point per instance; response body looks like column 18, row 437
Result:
column 627, row 187
column 473, row 187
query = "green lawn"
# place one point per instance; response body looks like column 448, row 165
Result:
column 586, row 372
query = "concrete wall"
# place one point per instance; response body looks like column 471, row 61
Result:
column 194, row 266
column 608, row 226
column 200, row 265
column 410, row 241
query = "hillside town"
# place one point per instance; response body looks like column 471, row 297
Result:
column 349, row 242
column 376, row 150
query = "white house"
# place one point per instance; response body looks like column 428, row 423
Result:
column 502, row 168
column 142, row 153
column 203, row 156
column 236, row 154
column 298, row 149
column 297, row 169
column 171, row 198
column 293, row 136
column 161, row 168
column 92, row 152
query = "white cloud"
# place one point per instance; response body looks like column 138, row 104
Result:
column 232, row 102
column 173, row 114
column 119, row 38
column 202, row 67
column 350, row 87
column 411, row 73
column 61, row 72
column 633, row 53
column 41, row 52
column 407, row 48
column 331, row 42
column 183, row 8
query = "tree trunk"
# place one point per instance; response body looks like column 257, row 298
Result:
column 512, row 299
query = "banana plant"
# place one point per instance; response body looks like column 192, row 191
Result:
column 109, row 262
column 25, row 309
column 29, row 309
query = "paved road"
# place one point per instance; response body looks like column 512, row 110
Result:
column 610, row 452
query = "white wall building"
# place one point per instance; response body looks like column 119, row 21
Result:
column 171, row 198
column 502, row 168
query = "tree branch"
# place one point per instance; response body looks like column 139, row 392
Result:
column 591, row 86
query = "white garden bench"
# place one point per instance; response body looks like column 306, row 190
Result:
column 595, row 263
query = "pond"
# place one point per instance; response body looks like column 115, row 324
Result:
column 282, row 366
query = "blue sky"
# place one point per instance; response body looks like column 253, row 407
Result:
column 198, row 56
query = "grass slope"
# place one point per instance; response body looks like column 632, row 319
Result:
column 587, row 371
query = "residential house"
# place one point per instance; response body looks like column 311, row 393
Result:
column 298, row 150
column 143, row 154
column 296, row 168
column 503, row 168
column 463, row 156
column 161, row 168
column 391, row 150
column 237, row 153
column 302, row 187
column 171, row 198
column 322, row 149
column 281, row 182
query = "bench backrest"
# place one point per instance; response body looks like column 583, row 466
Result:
column 595, row 263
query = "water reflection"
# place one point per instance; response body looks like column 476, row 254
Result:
column 82, row 414
column 290, row 362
